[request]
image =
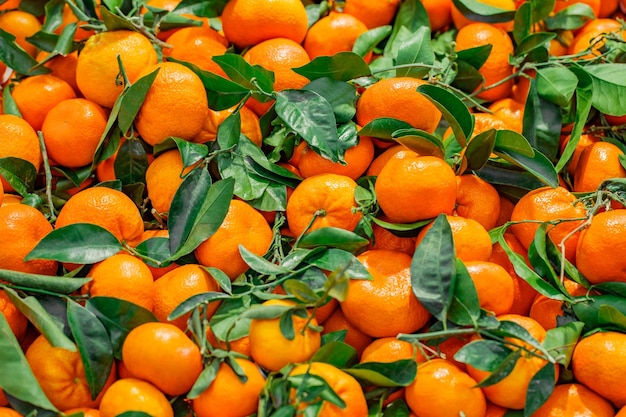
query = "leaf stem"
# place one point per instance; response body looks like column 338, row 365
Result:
column 48, row 173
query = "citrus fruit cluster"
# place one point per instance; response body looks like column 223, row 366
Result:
column 317, row 208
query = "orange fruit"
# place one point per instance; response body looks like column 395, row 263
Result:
column 17, row 321
column 373, row 13
column 1, row 193
column 390, row 349
column 478, row 200
column 598, row 162
column 354, row 336
column 279, row 55
column 197, row 45
column 439, row 14
column 17, row 140
column 241, row 345
column 333, row 33
column 546, row 310
column 591, row 37
column 243, row 225
column 615, row 120
column 104, row 207
column 494, row 286
column 22, row 227
column 471, row 240
column 497, row 66
column 510, row 392
column 250, row 126
column 163, row 355
column 228, row 396
column 157, row 272
column 87, row 412
column 176, row 286
column 385, row 239
column 599, row 361
column 11, row 199
column 385, row 305
column 601, row 246
column 495, row 410
column 21, row 25
column 510, row 111
column 35, row 96
column 506, row 208
column 594, row 4
column 440, row 389
column 381, row 160
column 176, row 104
column 10, row 4
column 272, row 350
column 548, row 204
column 130, row 394
column 574, row 400
column 325, row 200
column 122, row 276
column 9, row 412
column 62, row 66
column 460, row 21
column 412, row 187
column 584, row 141
column 524, row 294
column 77, row 124
column 397, row 97
column 607, row 8
column 163, row 177
column 61, row 374
column 97, row 68
column 249, row 22
column 344, row 385
column 357, row 159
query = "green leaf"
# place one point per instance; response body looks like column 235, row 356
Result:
column 8, row 103
column 340, row 95
column 194, row 302
column 80, row 243
column 541, row 9
column 542, row 123
column 420, row 141
column 465, row 307
column 415, row 50
column 197, row 211
column 190, row 152
column 560, row 341
column 93, row 344
column 25, row 388
column 570, row 18
column 343, row 66
column 335, row 238
column 392, row 374
column 453, row 109
column 557, row 85
column 312, row 117
column 504, row 369
column 133, row 99
column 534, row 41
column 467, row 77
column 611, row 316
column 301, row 291
column 508, row 140
column 538, row 165
column 205, row 379
column 410, row 17
column 481, row 12
column 433, row 269
column 43, row 282
column 260, row 264
column 483, row 354
column 383, row 127
column 479, row 149
column 523, row 22
column 539, row 389
column 131, row 163
column 339, row 260
column 475, row 56
column 20, row 174
column 253, row 77
column 609, row 88
column 538, row 257
column 16, row 58
column 265, row 312
column 316, row 387
column 119, row 318
column 367, row 41
column 41, row 319
column 203, row 8
column 336, row 353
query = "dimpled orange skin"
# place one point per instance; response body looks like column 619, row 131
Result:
column 412, row 187
column 131, row 394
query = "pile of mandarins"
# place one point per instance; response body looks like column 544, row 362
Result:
column 302, row 208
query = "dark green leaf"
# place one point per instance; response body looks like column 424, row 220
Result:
column 119, row 318
column 539, row 389
column 316, row 387
column 538, row 257
column 433, row 269
column 41, row 319
column 611, row 316
column 366, row 41
column 43, row 282
column 54, row 15
column 410, row 17
column 132, row 100
column 475, row 10
column 340, row 95
column 312, row 117
column 486, row 355
column 465, row 308
column 609, row 87
column 157, row 249
column 253, row 77
column 14, row 364
column 337, row 259
column 479, row 149
column 560, row 341
column 336, row 353
column 300, row 290
column 538, row 165
column 194, row 302
column 20, row 174
column 454, row 111
column 393, row 374
column 131, row 163
column 541, row 9
column 420, row 141
column 534, row 41
column 8, row 103
column 205, row 379
column 343, row 66
column 467, row 78
column 475, row 56
column 570, row 18
column 260, row 264
column 508, row 140
column 16, row 58
column 523, row 22
column 383, row 127
column 542, row 123
column 80, row 243
column 415, row 50
column 333, row 237
column 197, row 211
column 93, row 344
column 203, row 8
column 503, row 369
